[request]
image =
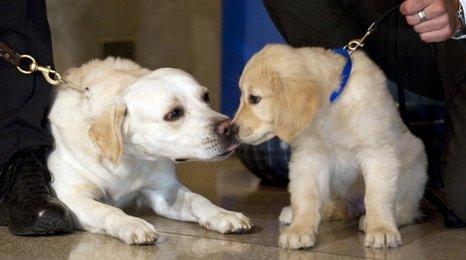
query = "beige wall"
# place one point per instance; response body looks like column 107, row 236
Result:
column 167, row 33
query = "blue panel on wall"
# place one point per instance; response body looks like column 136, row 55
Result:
column 246, row 28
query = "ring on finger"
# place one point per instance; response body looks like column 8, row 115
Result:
column 422, row 16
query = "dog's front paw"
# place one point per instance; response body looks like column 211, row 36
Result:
column 382, row 237
column 136, row 231
column 228, row 222
column 286, row 216
column 362, row 223
column 296, row 238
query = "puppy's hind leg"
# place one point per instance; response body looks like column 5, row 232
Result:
column 411, row 182
column 334, row 209
column 286, row 216
column 178, row 202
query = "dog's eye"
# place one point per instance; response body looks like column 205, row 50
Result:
column 206, row 97
column 254, row 99
column 174, row 115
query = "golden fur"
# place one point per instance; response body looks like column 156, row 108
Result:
column 355, row 149
column 105, row 132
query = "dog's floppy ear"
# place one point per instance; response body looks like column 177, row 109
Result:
column 105, row 132
column 295, row 102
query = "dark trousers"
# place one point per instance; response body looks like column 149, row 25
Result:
column 433, row 70
column 24, row 98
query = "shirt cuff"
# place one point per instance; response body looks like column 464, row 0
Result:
column 463, row 3
column 461, row 33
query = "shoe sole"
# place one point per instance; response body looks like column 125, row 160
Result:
column 40, row 228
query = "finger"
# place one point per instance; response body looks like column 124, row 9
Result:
column 415, row 19
column 432, row 11
column 411, row 7
column 436, row 36
column 435, row 9
column 432, row 25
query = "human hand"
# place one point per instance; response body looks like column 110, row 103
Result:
column 440, row 22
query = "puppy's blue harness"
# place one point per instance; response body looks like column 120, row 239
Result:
column 350, row 48
column 345, row 73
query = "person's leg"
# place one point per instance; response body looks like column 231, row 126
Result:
column 26, row 202
column 452, row 65
column 23, row 98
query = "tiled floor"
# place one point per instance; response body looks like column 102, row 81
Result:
column 229, row 184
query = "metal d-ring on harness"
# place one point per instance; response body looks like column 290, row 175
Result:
column 26, row 64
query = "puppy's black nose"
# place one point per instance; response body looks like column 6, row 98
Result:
column 225, row 128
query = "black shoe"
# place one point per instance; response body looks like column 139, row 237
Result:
column 27, row 205
column 450, row 219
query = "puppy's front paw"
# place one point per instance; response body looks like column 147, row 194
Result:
column 382, row 237
column 362, row 223
column 137, row 231
column 297, row 238
column 228, row 222
column 286, row 216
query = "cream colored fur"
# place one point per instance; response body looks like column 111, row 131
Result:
column 355, row 149
column 114, row 146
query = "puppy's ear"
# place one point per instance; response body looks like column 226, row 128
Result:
column 105, row 132
column 295, row 103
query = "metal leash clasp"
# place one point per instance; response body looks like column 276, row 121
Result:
column 359, row 43
column 50, row 75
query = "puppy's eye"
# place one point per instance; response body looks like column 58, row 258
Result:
column 206, row 97
column 254, row 99
column 174, row 115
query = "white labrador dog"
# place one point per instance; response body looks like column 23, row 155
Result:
column 120, row 141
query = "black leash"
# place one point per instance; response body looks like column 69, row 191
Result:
column 359, row 43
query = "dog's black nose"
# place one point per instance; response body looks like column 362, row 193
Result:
column 225, row 128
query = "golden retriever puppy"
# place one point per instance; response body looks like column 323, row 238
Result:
column 353, row 149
